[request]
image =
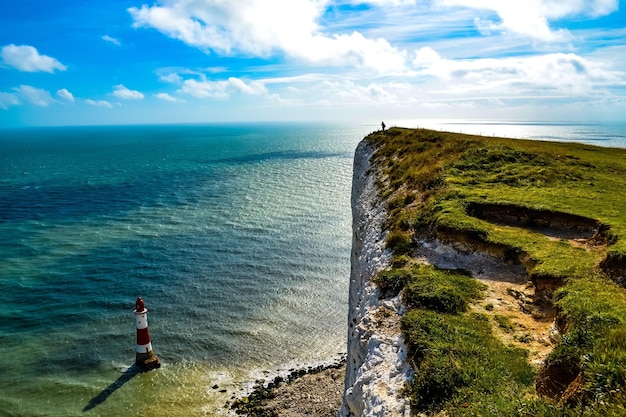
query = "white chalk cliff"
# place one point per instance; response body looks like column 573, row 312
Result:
column 376, row 362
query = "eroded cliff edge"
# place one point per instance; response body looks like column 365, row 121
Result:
column 376, row 368
column 505, row 265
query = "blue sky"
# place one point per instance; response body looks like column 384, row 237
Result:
column 192, row 61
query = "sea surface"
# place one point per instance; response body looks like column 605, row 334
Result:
column 238, row 238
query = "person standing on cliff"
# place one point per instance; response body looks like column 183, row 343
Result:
column 383, row 125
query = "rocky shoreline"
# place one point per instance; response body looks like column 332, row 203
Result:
column 315, row 391
column 369, row 381
column 507, row 336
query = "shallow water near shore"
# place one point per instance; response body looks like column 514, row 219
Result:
column 237, row 237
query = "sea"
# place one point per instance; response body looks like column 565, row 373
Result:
column 237, row 237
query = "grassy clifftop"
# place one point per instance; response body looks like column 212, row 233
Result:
column 557, row 210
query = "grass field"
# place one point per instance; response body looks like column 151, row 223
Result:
column 559, row 210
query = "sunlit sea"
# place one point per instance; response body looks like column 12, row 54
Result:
column 238, row 238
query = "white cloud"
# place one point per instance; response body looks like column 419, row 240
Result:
column 262, row 28
column 171, row 77
column 353, row 50
column 112, row 40
column 66, row 95
column 333, row 91
column 382, row 3
column 555, row 9
column 530, row 18
column 222, row 88
column 252, row 88
column 205, row 89
column 253, row 26
column 457, row 87
column 7, row 100
column 550, row 74
column 26, row 58
column 35, row 96
column 99, row 103
column 373, row 92
column 167, row 97
column 120, row 91
column 426, row 57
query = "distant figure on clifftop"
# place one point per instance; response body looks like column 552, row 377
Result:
column 383, row 125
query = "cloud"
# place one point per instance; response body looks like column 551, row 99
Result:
column 221, row 89
column 353, row 50
column 329, row 90
column 167, row 97
column 462, row 86
column 120, row 91
column 171, row 77
column 35, row 96
column 370, row 93
column 263, row 28
column 555, row 9
column 26, row 58
column 7, row 100
column 426, row 57
column 109, row 39
column 530, row 18
column 252, row 88
column 66, row 95
column 99, row 103
column 254, row 26
column 302, row 29
column 205, row 89
column 550, row 74
column 382, row 3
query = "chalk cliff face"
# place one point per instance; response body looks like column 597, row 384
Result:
column 376, row 360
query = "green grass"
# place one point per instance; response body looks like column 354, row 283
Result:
column 593, row 313
column 457, row 359
column 441, row 171
column 504, row 323
column 444, row 291
column 459, row 364
column 429, row 179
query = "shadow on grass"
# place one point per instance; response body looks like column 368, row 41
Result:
column 129, row 374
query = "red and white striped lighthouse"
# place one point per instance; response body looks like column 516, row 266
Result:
column 145, row 357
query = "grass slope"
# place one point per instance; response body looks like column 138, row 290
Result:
column 506, row 197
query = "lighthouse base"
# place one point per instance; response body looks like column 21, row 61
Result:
column 147, row 363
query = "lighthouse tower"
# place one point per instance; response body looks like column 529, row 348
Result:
column 145, row 357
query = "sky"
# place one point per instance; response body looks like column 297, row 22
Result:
column 78, row 62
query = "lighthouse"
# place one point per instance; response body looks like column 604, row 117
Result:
column 145, row 357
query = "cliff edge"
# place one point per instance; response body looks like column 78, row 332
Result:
column 376, row 368
column 486, row 271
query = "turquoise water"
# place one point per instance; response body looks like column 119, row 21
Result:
column 237, row 237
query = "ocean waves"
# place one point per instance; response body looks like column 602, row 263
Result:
column 237, row 238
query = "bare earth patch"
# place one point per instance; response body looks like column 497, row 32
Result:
column 519, row 317
column 516, row 317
